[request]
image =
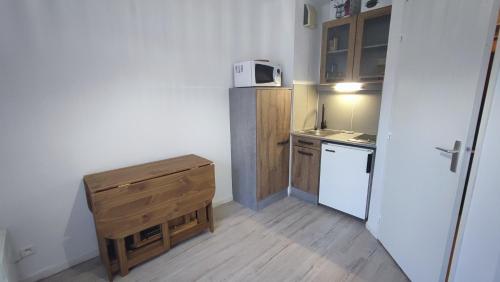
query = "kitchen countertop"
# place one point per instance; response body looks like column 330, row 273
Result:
column 338, row 136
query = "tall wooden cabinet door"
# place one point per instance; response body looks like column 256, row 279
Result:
column 273, row 140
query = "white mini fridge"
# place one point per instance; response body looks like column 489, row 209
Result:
column 345, row 178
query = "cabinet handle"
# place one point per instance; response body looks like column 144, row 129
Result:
column 306, row 142
column 305, row 153
column 331, row 151
column 369, row 163
column 284, row 142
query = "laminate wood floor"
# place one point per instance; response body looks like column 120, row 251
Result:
column 288, row 241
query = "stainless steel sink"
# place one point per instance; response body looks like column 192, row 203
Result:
column 320, row 132
column 364, row 138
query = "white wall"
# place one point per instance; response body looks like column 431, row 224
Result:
column 307, row 44
column 88, row 86
column 478, row 252
column 305, row 105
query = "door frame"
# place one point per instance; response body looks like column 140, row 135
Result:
column 395, row 36
column 462, row 186
column 471, row 168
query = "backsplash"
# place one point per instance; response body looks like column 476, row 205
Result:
column 339, row 108
column 305, row 101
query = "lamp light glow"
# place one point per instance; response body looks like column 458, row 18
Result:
column 347, row 87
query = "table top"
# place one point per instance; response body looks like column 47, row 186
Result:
column 113, row 178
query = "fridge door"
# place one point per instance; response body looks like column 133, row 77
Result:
column 344, row 178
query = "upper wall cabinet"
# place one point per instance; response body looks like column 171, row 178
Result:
column 354, row 48
column 337, row 50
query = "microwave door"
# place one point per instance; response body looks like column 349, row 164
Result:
column 264, row 74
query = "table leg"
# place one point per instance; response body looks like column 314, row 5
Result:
column 210, row 212
column 121, row 254
column 103, row 252
column 166, row 236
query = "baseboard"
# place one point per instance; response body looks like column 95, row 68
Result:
column 271, row 199
column 304, row 196
column 222, row 201
column 372, row 229
column 53, row 269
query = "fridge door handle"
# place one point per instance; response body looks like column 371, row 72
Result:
column 369, row 161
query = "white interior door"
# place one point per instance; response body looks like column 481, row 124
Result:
column 441, row 68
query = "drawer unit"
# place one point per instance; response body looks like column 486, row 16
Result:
column 307, row 142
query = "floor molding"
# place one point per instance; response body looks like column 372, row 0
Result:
column 54, row 269
column 222, row 201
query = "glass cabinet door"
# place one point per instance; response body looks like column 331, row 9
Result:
column 372, row 37
column 337, row 50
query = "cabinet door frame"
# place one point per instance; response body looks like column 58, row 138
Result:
column 360, row 24
column 351, row 21
column 305, row 172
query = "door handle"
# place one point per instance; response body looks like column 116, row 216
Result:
column 305, row 142
column 331, row 151
column 284, row 142
column 455, row 152
column 305, row 153
column 369, row 161
column 449, row 151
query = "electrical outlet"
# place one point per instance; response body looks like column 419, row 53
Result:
column 26, row 252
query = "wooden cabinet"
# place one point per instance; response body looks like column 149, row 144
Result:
column 306, row 158
column 337, row 50
column 354, row 48
column 305, row 169
column 372, row 37
column 260, row 144
column 273, row 136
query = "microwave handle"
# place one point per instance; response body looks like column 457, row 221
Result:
column 276, row 72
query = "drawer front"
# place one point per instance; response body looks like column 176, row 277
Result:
column 305, row 169
column 307, row 142
column 129, row 209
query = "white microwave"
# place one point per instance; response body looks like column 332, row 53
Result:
column 256, row 73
